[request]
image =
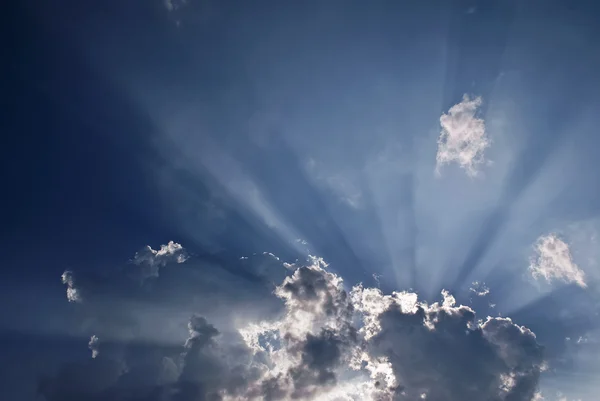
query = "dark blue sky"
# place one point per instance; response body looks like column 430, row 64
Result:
column 296, row 128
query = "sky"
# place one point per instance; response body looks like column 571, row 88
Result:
column 314, row 201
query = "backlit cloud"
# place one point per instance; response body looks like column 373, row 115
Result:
column 463, row 138
column 325, row 343
column 73, row 294
column 93, row 345
column 553, row 261
column 479, row 289
column 149, row 260
column 145, row 264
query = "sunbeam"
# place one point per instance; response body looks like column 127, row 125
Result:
column 309, row 201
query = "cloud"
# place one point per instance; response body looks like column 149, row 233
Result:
column 441, row 352
column 94, row 346
column 311, row 342
column 552, row 260
column 149, row 261
column 73, row 294
column 479, row 289
column 463, row 138
column 325, row 343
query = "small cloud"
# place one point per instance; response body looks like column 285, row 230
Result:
column 73, row 294
column 537, row 397
column 150, row 260
column 506, row 359
column 480, row 289
column 553, row 261
column 463, row 139
column 94, row 346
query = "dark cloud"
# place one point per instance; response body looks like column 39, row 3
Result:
column 440, row 352
column 323, row 343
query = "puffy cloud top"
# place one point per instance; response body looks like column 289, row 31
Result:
column 441, row 352
column 73, row 294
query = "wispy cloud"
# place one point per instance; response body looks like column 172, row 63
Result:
column 463, row 138
column 480, row 289
column 94, row 346
column 553, row 261
column 73, row 294
column 173, row 5
column 146, row 264
column 149, row 261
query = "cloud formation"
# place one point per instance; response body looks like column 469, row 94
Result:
column 463, row 138
column 479, row 289
column 326, row 343
column 149, row 261
column 145, row 265
column 552, row 261
column 93, row 345
column 73, row 294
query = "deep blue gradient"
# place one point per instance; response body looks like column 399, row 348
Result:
column 237, row 128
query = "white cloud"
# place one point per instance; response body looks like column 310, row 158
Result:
column 424, row 343
column 463, row 138
column 310, row 343
column 553, row 261
column 172, row 252
column 73, row 294
column 479, row 289
column 145, row 264
column 94, row 346
column 538, row 397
